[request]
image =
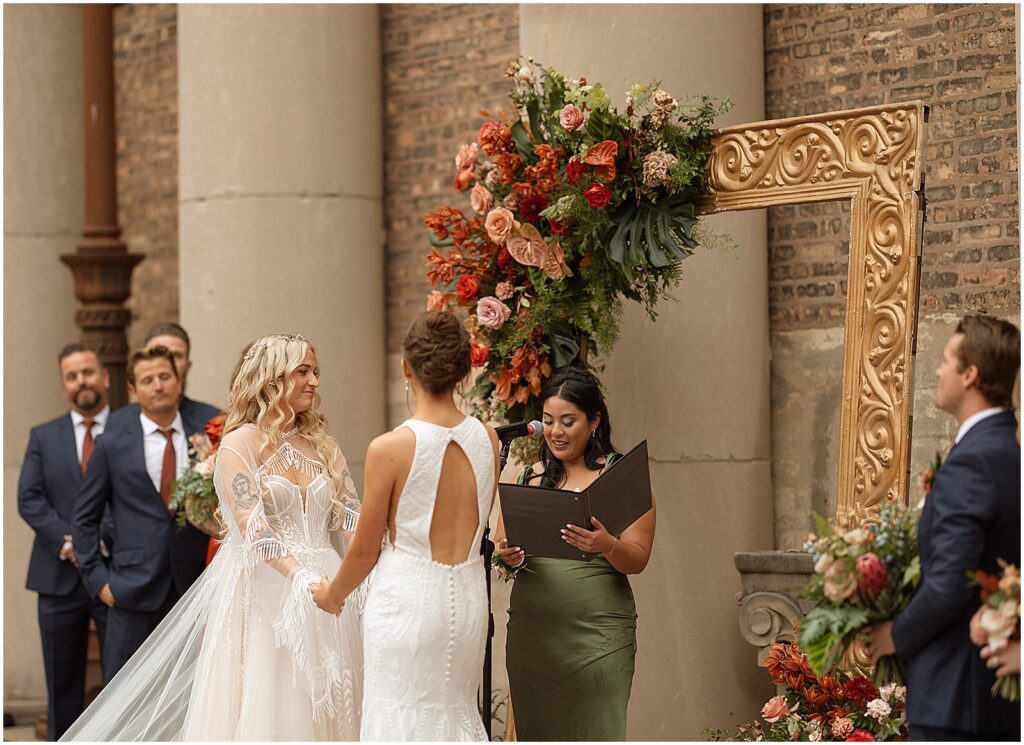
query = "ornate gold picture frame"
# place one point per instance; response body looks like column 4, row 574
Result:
column 873, row 157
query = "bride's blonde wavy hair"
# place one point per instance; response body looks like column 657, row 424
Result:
column 259, row 395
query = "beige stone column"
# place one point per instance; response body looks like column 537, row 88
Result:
column 695, row 384
column 280, row 190
column 43, row 214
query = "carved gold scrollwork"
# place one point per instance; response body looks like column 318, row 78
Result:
column 872, row 157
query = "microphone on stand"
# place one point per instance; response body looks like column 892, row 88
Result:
column 508, row 432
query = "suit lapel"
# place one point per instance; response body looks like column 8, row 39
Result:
column 70, row 450
column 137, row 456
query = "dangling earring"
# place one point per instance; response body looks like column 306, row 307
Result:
column 407, row 406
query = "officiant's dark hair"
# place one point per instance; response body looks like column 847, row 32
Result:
column 579, row 387
column 437, row 349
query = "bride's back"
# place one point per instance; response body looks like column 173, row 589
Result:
column 438, row 509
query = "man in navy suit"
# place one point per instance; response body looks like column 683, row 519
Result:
column 970, row 519
column 132, row 467
column 51, row 475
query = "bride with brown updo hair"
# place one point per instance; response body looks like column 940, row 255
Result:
column 429, row 488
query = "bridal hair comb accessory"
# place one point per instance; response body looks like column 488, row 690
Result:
column 261, row 345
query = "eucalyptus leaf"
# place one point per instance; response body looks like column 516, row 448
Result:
column 521, row 139
column 442, row 243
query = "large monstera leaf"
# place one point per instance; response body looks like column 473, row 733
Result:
column 657, row 234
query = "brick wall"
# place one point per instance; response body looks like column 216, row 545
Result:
column 146, row 108
column 961, row 61
column 442, row 65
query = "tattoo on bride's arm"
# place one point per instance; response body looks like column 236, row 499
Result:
column 241, row 487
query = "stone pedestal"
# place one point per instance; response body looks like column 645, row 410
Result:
column 768, row 601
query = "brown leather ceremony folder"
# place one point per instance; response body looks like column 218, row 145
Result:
column 534, row 515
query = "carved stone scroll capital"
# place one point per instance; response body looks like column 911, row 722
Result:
column 767, row 618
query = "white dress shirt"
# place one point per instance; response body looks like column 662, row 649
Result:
column 155, row 443
column 78, row 422
column 974, row 419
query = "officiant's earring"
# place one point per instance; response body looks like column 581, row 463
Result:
column 407, row 406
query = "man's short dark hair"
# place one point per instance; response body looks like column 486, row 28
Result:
column 159, row 352
column 169, row 329
column 993, row 346
column 74, row 348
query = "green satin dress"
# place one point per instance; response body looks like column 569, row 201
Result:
column 570, row 649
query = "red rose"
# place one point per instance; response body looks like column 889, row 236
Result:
column 530, row 207
column 504, row 257
column 574, row 171
column 468, row 287
column 479, row 354
column 559, row 228
column 860, row 735
column 597, row 196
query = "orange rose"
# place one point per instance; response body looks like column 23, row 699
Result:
column 775, row 709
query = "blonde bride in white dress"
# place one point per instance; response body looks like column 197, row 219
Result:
column 428, row 493
column 245, row 654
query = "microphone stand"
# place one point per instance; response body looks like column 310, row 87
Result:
column 486, row 550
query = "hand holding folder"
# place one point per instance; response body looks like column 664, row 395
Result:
column 534, row 515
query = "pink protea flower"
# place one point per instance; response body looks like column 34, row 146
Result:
column 872, row 576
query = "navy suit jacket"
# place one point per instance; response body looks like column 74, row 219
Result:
column 47, row 489
column 150, row 551
column 970, row 519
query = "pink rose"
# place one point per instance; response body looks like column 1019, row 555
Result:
column 775, row 709
column 480, row 199
column 466, row 158
column 436, row 301
column 491, row 312
column 504, row 290
column 499, row 224
column 840, row 582
column 997, row 625
column 570, row 118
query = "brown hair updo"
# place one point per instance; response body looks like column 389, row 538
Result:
column 437, row 349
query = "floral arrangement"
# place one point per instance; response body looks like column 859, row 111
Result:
column 861, row 577
column 997, row 621
column 505, row 571
column 193, row 495
column 928, row 473
column 574, row 207
column 817, row 708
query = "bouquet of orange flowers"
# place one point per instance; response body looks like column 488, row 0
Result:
column 861, row 577
column 574, row 206
column 193, row 495
column 816, row 707
column 998, row 620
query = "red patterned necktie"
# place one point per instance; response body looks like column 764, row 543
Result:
column 170, row 467
column 87, row 443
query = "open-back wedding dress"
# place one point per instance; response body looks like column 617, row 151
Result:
column 245, row 654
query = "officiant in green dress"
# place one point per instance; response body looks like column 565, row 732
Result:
column 571, row 638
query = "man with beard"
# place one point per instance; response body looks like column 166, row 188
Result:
column 54, row 467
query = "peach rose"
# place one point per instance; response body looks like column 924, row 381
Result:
column 499, row 224
column 491, row 312
column 570, row 117
column 840, row 582
column 462, row 179
column 842, row 727
column 480, row 199
column 978, row 634
column 858, row 536
column 824, row 563
column 999, row 626
column 775, row 709
column 436, row 301
column 466, row 157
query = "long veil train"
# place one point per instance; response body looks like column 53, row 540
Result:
column 171, row 690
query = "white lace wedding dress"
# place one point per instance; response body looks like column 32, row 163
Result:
column 245, row 654
column 425, row 622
